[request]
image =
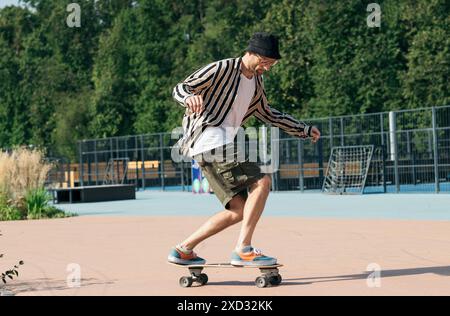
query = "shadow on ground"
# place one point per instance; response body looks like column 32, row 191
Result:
column 53, row 286
column 442, row 271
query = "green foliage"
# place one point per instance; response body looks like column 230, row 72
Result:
column 36, row 202
column 426, row 80
column 114, row 75
column 10, row 213
column 10, row 274
column 35, row 205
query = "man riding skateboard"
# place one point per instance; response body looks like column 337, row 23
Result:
column 218, row 98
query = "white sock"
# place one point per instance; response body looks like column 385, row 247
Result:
column 184, row 249
column 245, row 249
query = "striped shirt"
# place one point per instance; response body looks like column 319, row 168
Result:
column 218, row 83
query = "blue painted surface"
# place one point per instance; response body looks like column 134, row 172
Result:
column 411, row 188
column 368, row 206
column 404, row 188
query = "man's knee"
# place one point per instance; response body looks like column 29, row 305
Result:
column 236, row 209
column 236, row 217
column 265, row 183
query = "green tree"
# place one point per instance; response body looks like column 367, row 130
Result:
column 355, row 67
column 112, row 107
column 289, row 84
column 114, row 75
column 426, row 81
column 15, row 25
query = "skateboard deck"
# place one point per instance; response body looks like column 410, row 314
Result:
column 270, row 275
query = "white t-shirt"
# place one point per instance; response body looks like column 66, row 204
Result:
column 216, row 136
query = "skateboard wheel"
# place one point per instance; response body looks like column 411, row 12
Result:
column 186, row 281
column 261, row 282
column 203, row 278
column 276, row 279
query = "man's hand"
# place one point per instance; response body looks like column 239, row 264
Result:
column 315, row 134
column 195, row 103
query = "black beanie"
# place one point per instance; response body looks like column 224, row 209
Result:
column 264, row 44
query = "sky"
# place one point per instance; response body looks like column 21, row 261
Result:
column 4, row 3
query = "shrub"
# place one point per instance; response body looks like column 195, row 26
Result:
column 22, row 194
column 12, row 272
column 37, row 205
column 21, row 171
column 36, row 201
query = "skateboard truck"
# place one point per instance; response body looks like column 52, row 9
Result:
column 196, row 276
column 270, row 275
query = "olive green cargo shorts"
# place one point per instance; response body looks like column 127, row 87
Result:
column 230, row 177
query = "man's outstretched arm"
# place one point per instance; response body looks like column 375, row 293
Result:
column 285, row 121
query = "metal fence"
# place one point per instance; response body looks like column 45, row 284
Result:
column 412, row 154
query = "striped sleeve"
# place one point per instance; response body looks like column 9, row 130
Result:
column 195, row 83
column 284, row 121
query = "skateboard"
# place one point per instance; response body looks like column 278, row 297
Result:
column 270, row 275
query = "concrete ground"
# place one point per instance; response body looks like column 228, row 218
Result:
column 126, row 255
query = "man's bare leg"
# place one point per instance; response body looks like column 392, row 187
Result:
column 249, row 211
column 254, row 206
column 217, row 223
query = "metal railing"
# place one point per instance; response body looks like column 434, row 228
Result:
column 412, row 154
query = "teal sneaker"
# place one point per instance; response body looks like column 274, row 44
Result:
column 178, row 257
column 250, row 256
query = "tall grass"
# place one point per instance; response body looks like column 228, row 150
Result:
column 22, row 170
column 22, row 177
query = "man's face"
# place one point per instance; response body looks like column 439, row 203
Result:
column 263, row 64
